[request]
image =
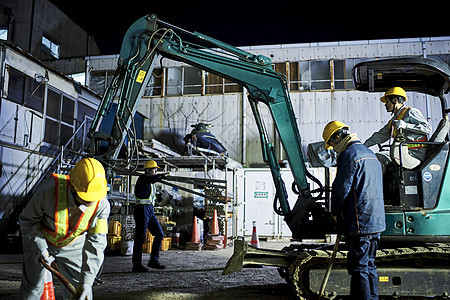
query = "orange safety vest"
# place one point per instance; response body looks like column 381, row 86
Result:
column 394, row 131
column 61, row 236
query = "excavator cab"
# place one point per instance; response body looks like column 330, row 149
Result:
column 414, row 192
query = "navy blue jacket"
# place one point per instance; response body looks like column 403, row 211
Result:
column 357, row 197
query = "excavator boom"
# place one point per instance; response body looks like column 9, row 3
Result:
column 148, row 37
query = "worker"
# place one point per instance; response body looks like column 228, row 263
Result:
column 144, row 216
column 357, row 205
column 66, row 220
column 415, row 127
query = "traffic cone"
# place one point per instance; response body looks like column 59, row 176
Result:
column 255, row 239
column 49, row 291
column 214, row 241
column 215, row 224
column 195, row 237
column 195, row 243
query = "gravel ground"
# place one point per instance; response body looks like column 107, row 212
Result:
column 188, row 275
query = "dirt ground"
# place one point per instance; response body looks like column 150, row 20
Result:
column 188, row 275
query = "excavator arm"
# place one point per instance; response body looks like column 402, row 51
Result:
column 148, row 37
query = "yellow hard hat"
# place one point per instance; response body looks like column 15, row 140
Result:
column 149, row 164
column 330, row 129
column 396, row 91
column 88, row 179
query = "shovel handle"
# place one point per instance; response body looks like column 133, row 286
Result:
column 53, row 268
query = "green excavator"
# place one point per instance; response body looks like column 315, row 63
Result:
column 414, row 253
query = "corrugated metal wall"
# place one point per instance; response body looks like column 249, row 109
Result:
column 169, row 118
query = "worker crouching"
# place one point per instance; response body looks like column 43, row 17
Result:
column 66, row 221
column 357, row 204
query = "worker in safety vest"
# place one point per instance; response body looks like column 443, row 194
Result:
column 66, row 220
column 144, row 216
column 415, row 127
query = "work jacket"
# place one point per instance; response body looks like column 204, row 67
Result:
column 357, row 194
column 417, row 129
column 43, row 228
column 145, row 189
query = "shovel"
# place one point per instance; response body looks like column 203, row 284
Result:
column 53, row 268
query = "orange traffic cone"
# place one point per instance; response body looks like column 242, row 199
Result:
column 215, row 224
column 255, row 239
column 214, row 241
column 49, row 291
column 195, row 243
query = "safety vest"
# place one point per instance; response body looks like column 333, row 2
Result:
column 394, row 131
column 151, row 198
column 62, row 235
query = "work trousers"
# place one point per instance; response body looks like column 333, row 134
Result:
column 145, row 218
column 362, row 250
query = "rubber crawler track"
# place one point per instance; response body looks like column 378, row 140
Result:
column 305, row 261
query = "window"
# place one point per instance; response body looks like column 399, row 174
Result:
column 320, row 74
column 50, row 47
column 231, row 87
column 34, row 94
column 192, row 83
column 214, row 84
column 59, row 120
column 67, row 110
column 24, row 90
column 174, row 76
column 53, row 104
column 16, row 85
column 3, row 34
column 154, row 87
column 343, row 74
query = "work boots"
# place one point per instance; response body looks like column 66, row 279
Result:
column 156, row 265
column 139, row 269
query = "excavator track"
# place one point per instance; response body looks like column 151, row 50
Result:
column 427, row 264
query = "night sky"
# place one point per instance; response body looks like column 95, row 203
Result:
column 246, row 23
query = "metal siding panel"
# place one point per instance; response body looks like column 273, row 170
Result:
column 370, row 50
column 306, row 53
column 291, row 54
column 386, row 50
column 338, row 52
column 339, row 107
column 278, row 55
column 438, row 47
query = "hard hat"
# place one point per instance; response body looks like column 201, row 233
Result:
column 395, row 91
column 330, row 129
column 149, row 164
column 88, row 179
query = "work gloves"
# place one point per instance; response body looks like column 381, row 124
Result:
column 399, row 124
column 46, row 256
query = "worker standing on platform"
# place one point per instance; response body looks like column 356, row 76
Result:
column 73, row 234
column 144, row 216
column 357, row 204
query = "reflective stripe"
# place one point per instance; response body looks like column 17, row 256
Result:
column 418, row 146
column 61, row 236
column 151, row 198
column 394, row 131
column 100, row 227
column 400, row 116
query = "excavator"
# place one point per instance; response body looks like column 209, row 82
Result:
column 414, row 253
